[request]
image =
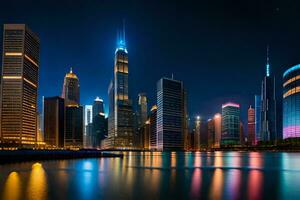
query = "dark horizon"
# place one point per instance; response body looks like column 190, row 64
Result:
column 218, row 49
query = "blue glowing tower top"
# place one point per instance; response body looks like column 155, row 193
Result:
column 121, row 40
column 268, row 64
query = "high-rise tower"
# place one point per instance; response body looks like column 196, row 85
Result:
column 74, row 112
column 71, row 89
column 230, row 124
column 171, row 114
column 142, row 109
column 251, row 126
column 120, row 113
column 19, row 85
column 268, row 106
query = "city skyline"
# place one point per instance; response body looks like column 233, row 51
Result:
column 94, row 57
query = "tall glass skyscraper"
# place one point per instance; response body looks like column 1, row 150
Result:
column 170, row 114
column 230, row 124
column 54, row 121
column 19, row 85
column 74, row 112
column 257, row 109
column 120, row 114
column 268, row 106
column 71, row 89
column 291, row 102
column 142, row 109
column 153, row 123
column 251, row 126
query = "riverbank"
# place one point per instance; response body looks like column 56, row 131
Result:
column 7, row 156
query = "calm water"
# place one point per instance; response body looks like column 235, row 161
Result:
column 219, row 175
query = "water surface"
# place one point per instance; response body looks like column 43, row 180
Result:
column 156, row 175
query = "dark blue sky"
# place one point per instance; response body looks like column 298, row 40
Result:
column 218, row 48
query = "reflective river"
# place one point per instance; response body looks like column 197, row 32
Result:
column 156, row 175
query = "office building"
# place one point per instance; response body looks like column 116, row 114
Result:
column 210, row 133
column 74, row 127
column 257, row 109
column 230, row 124
column 197, row 135
column 88, row 119
column 268, row 106
column 73, row 112
column 291, row 103
column 99, row 132
column 170, row 114
column 71, row 90
column 153, row 124
column 251, row 126
column 218, row 130
column 19, row 85
column 54, row 121
column 120, row 123
column 142, row 109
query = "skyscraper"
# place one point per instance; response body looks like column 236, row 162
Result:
column 153, row 123
column 230, row 124
column 257, row 118
column 88, row 120
column 142, row 109
column 74, row 127
column 170, row 114
column 99, row 129
column 251, row 126
column 74, row 112
column 268, row 106
column 218, row 129
column 291, row 103
column 19, row 85
column 98, row 106
column 197, row 136
column 70, row 90
column 120, row 114
column 210, row 133
column 54, row 121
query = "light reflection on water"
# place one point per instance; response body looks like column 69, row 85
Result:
column 154, row 175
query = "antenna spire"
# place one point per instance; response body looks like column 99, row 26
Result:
column 268, row 64
column 71, row 70
column 124, row 31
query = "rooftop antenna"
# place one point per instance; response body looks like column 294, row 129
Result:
column 124, row 30
column 268, row 64
column 71, row 70
column 172, row 76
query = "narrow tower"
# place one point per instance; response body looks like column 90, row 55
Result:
column 120, row 117
column 268, row 106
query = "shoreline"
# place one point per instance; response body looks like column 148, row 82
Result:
column 14, row 156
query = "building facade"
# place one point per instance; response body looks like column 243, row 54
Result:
column 120, row 123
column 153, row 124
column 218, row 130
column 74, row 127
column 257, row 109
column 88, row 119
column 71, row 89
column 99, row 132
column 74, row 112
column 142, row 109
column 19, row 85
column 170, row 114
column 291, row 103
column 251, row 126
column 230, row 124
column 268, row 106
column 54, row 121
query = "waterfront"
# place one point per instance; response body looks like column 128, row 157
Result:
column 156, row 175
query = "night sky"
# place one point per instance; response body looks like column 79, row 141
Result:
column 217, row 48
